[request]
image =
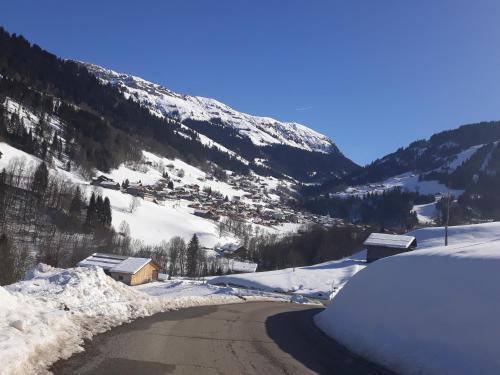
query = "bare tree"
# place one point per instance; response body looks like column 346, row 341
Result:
column 135, row 203
column 177, row 255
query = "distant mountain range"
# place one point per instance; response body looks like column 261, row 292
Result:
column 464, row 162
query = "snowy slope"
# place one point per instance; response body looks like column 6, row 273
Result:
column 460, row 234
column 426, row 213
column 316, row 281
column 407, row 182
column 260, row 130
column 150, row 222
column 430, row 311
column 458, row 157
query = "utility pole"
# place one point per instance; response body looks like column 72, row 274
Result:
column 447, row 219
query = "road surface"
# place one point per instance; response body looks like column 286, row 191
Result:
column 261, row 338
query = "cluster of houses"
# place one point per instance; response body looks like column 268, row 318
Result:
column 257, row 204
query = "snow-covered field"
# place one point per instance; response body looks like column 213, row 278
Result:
column 47, row 316
column 430, row 311
column 317, row 281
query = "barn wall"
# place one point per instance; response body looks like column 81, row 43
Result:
column 146, row 274
column 378, row 252
column 125, row 277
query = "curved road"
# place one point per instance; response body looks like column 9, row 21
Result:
column 249, row 338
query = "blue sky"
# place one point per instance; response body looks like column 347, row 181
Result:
column 372, row 75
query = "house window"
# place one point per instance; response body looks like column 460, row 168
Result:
column 120, row 278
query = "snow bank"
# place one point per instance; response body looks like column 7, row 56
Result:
column 432, row 311
column 47, row 316
column 316, row 281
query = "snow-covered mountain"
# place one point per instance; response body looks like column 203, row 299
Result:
column 262, row 131
column 285, row 148
column 472, row 147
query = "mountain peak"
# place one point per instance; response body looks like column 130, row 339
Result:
column 261, row 131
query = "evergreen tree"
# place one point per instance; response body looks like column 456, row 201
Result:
column 107, row 212
column 40, row 181
column 99, row 209
column 91, row 212
column 76, row 203
column 193, row 254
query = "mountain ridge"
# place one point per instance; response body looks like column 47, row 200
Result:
column 167, row 103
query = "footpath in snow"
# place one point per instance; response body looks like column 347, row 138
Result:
column 430, row 311
column 48, row 316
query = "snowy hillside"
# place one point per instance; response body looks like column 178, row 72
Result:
column 458, row 161
column 430, row 311
column 153, row 222
column 260, row 130
column 407, row 181
column 316, row 281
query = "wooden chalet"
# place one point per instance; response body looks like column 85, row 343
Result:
column 381, row 245
column 105, row 182
column 129, row 270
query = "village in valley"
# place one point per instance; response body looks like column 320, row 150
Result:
column 165, row 208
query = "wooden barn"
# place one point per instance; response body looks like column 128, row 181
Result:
column 129, row 270
column 381, row 245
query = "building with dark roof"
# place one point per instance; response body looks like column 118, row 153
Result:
column 381, row 245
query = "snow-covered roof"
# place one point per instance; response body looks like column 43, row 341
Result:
column 229, row 247
column 389, row 240
column 131, row 265
column 238, row 266
column 105, row 261
column 115, row 263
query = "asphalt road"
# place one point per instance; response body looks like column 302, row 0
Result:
column 249, row 338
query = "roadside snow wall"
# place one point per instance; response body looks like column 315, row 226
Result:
column 47, row 317
column 433, row 311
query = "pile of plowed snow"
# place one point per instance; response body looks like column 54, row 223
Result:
column 47, row 316
column 431, row 311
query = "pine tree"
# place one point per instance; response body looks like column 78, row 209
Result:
column 193, row 253
column 76, row 203
column 99, row 209
column 91, row 212
column 107, row 213
column 40, row 182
